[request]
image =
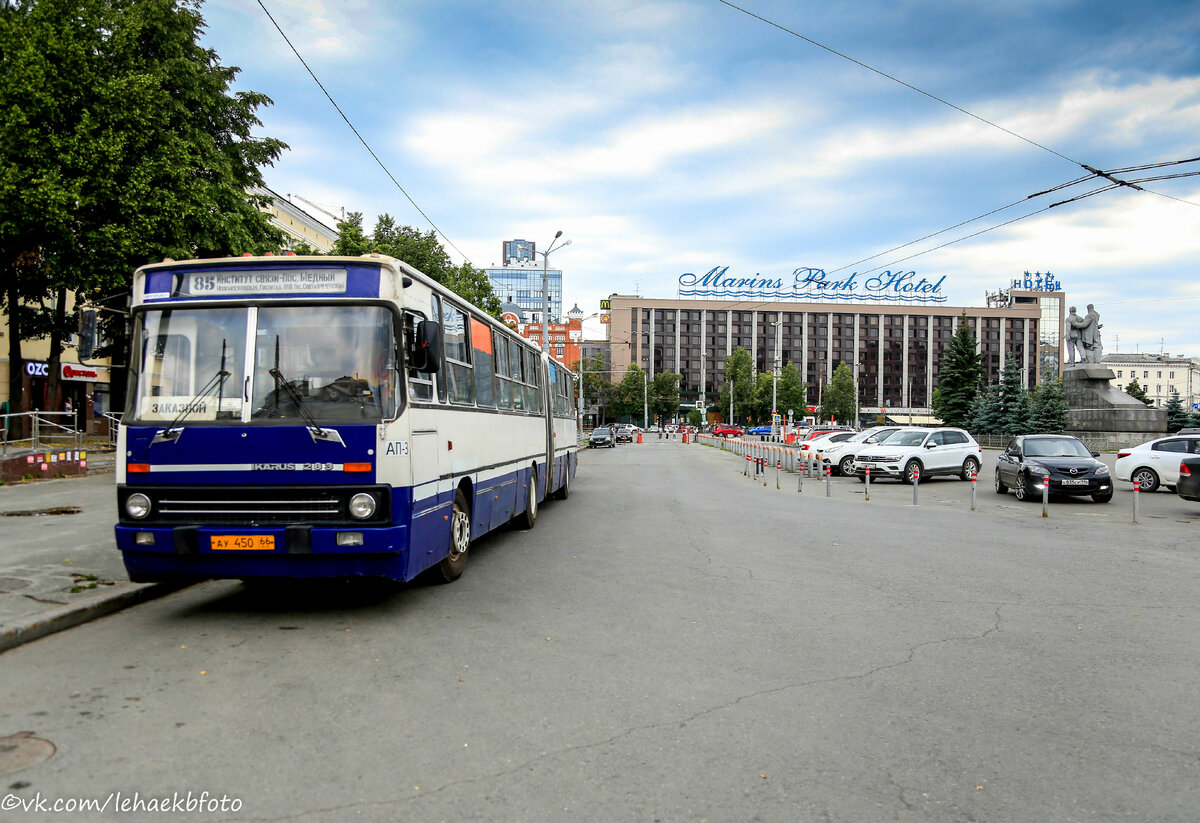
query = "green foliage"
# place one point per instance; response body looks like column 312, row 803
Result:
column 1135, row 390
column 120, row 143
column 959, row 377
column 986, row 412
column 630, row 394
column 739, row 371
column 422, row 251
column 1177, row 415
column 1015, row 408
column 792, row 391
column 695, row 418
column 664, row 396
column 1049, row 412
column 837, row 400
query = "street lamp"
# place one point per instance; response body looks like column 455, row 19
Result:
column 546, row 288
column 775, row 377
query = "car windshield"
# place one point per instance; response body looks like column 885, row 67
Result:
column 903, row 438
column 601, row 432
column 1056, row 447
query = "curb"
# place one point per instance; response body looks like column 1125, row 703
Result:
column 86, row 608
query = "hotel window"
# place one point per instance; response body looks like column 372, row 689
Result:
column 1118, row 372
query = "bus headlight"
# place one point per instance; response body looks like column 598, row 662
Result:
column 137, row 505
column 362, row 506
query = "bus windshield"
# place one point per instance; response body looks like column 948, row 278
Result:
column 269, row 364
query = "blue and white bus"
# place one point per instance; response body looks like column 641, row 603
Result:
column 336, row 417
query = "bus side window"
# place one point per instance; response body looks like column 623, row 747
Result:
column 481, row 349
column 516, row 367
column 533, row 397
column 503, row 384
column 420, row 386
column 458, row 378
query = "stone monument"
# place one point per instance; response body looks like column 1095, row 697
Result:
column 1096, row 405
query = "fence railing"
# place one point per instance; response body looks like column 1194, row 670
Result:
column 48, row 430
column 114, row 422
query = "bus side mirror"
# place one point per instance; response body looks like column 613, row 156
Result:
column 426, row 353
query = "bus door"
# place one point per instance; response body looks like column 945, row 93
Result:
column 431, row 481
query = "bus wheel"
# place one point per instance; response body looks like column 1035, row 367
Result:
column 454, row 563
column 564, row 491
column 529, row 517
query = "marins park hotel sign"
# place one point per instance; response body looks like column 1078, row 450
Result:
column 815, row 284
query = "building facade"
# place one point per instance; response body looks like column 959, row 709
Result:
column 894, row 351
column 520, row 282
column 1159, row 375
column 298, row 225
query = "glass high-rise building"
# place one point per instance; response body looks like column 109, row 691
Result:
column 520, row 251
column 520, row 282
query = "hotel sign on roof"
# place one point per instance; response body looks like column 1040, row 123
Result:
column 814, row 284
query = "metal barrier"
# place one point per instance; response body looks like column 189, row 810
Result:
column 45, row 432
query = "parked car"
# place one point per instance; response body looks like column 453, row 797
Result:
column 817, row 444
column 601, row 437
column 1072, row 469
column 760, row 430
column 626, row 433
column 1156, row 463
column 840, row 454
column 1188, row 484
column 726, row 430
column 927, row 452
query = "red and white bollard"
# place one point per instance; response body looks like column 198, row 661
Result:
column 1136, row 494
column 974, row 484
column 867, row 480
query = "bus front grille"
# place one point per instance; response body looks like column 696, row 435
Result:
column 225, row 505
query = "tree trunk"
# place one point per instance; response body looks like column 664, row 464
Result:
column 54, row 361
column 16, row 370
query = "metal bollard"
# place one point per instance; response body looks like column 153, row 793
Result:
column 828, row 482
column 867, row 469
column 1136, row 494
column 766, row 461
column 1046, row 495
column 916, row 483
column 974, row 484
column 778, row 467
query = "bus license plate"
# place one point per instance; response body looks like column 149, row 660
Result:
column 243, row 542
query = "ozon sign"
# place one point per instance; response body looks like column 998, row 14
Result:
column 34, row 368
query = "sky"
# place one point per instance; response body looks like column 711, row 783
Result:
column 675, row 136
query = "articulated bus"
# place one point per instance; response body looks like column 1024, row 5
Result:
column 328, row 417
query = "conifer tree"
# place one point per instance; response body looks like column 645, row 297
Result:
column 959, row 376
column 1177, row 415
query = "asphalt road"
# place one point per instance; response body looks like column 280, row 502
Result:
column 674, row 643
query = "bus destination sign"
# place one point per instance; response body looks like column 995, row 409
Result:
column 264, row 281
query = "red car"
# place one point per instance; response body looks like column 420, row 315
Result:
column 725, row 430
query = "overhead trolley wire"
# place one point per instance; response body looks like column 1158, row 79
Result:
column 361, row 139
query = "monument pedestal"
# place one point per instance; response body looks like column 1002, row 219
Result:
column 1098, row 406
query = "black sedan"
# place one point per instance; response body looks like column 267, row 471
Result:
column 601, row 437
column 1188, row 486
column 1066, row 461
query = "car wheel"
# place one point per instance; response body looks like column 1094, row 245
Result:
column 970, row 467
column 846, row 467
column 529, row 516
column 1103, row 497
column 454, row 563
column 1000, row 487
column 1021, row 489
column 1146, row 479
column 909, row 468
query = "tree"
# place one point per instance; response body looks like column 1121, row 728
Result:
column 631, row 394
column 764, row 386
column 1049, row 414
column 959, row 376
column 120, row 144
column 837, row 401
column 1135, row 390
column 792, row 390
column 1015, row 409
column 1177, row 415
column 422, row 251
column 664, row 395
column 739, row 371
column 695, row 418
column 986, row 413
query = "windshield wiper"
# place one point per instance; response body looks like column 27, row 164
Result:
column 314, row 429
column 217, row 381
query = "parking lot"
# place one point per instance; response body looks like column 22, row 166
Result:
column 1159, row 507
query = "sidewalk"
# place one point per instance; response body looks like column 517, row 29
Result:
column 59, row 565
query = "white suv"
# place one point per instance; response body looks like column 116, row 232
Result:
column 926, row 452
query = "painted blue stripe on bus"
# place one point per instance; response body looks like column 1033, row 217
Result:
column 256, row 446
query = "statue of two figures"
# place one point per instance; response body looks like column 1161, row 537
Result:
column 1083, row 336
